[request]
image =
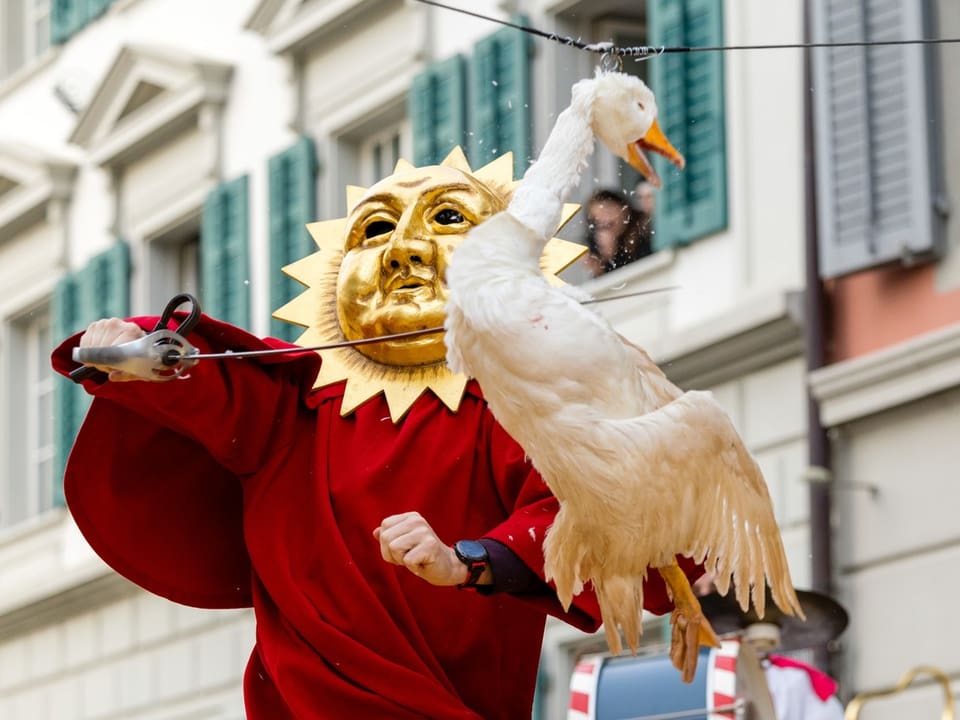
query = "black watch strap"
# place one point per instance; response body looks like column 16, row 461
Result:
column 474, row 555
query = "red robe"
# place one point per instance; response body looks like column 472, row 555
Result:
column 238, row 486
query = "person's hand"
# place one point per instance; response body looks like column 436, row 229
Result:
column 408, row 540
column 112, row 331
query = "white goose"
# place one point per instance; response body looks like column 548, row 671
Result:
column 643, row 471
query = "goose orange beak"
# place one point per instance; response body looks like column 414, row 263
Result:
column 657, row 142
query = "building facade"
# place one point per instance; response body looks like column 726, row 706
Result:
column 149, row 147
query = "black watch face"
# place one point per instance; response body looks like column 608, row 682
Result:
column 470, row 551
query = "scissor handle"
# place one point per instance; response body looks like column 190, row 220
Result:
column 189, row 323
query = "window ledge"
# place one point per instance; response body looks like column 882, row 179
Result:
column 757, row 332
column 23, row 75
column 884, row 379
column 22, row 531
column 49, row 572
column 627, row 276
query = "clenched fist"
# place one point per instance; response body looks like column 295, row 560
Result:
column 112, row 331
column 408, row 540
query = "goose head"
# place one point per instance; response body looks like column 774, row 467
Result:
column 624, row 118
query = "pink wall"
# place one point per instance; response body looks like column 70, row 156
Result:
column 879, row 308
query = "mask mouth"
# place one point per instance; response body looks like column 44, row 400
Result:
column 653, row 141
column 407, row 285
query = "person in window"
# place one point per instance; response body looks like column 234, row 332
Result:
column 617, row 235
column 345, row 507
column 645, row 198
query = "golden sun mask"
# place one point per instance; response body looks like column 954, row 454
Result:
column 399, row 240
column 382, row 270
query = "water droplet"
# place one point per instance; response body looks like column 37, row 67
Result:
column 495, row 83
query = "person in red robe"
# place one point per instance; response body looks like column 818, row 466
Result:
column 242, row 484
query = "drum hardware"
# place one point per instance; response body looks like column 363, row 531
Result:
column 737, row 706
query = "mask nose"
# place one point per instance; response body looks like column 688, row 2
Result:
column 409, row 247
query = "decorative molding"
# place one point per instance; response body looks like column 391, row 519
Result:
column 22, row 76
column 884, row 379
column 752, row 335
column 263, row 15
column 293, row 26
column 147, row 97
column 755, row 333
column 50, row 573
column 36, row 181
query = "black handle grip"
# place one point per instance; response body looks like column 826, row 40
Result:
column 87, row 372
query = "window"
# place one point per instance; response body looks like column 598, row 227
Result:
column 24, row 33
column 29, row 489
column 173, row 265
column 380, row 151
column 293, row 192
column 224, row 253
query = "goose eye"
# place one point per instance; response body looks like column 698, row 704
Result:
column 378, row 227
column 640, row 105
column 449, row 217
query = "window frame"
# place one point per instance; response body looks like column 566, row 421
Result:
column 30, row 335
column 19, row 46
column 397, row 131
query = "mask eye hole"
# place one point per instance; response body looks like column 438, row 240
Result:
column 449, row 217
column 378, row 227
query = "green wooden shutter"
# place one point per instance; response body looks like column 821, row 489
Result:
column 106, row 289
column 500, row 98
column 96, row 8
column 99, row 290
column 689, row 89
column 293, row 180
column 224, row 258
column 437, row 108
column 69, row 399
column 66, row 18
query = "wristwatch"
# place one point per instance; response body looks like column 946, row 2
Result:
column 474, row 555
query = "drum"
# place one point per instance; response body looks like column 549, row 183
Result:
column 631, row 688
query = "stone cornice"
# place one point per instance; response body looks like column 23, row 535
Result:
column 752, row 335
column 50, row 573
column 872, row 383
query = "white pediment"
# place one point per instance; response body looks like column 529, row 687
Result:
column 147, row 94
column 29, row 180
